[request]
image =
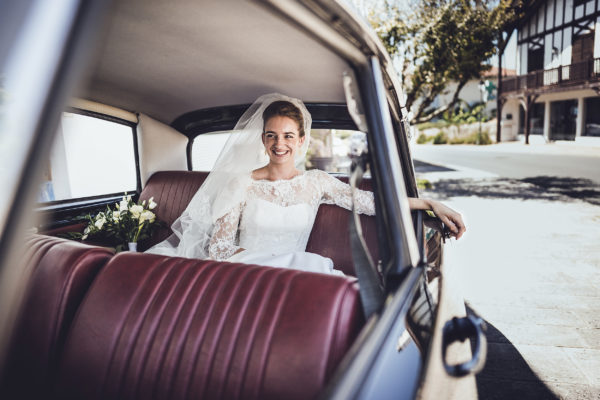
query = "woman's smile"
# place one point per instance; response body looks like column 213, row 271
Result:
column 281, row 139
column 280, row 152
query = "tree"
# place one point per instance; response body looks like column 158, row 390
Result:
column 437, row 42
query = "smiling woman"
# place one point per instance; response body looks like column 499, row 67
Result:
column 283, row 138
column 273, row 207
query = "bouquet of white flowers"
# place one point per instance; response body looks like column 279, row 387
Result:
column 127, row 223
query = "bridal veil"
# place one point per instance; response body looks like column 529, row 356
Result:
column 225, row 186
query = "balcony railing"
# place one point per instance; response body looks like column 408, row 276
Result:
column 564, row 75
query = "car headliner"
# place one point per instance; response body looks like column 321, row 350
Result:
column 168, row 58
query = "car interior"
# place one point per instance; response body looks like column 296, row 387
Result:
column 95, row 324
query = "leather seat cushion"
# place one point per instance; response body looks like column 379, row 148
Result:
column 60, row 272
column 160, row 327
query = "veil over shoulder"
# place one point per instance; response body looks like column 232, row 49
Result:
column 226, row 185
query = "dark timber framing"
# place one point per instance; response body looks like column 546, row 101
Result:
column 557, row 19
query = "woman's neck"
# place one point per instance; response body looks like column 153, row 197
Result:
column 273, row 172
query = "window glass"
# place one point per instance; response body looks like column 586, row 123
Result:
column 206, row 149
column 90, row 157
column 328, row 149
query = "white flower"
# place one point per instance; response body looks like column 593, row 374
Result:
column 123, row 205
column 128, row 198
column 136, row 211
column 100, row 216
column 144, row 203
column 147, row 216
column 116, row 216
column 100, row 222
column 151, row 203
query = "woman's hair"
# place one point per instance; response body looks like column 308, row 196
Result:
column 284, row 108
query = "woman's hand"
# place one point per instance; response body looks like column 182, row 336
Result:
column 452, row 219
column 449, row 217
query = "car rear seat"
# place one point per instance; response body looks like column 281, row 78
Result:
column 164, row 327
column 173, row 190
column 60, row 272
column 336, row 244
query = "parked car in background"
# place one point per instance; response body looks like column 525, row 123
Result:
column 136, row 97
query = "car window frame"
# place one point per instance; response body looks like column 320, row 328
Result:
column 65, row 212
column 222, row 119
column 86, row 199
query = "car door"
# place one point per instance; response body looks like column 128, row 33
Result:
column 44, row 47
column 408, row 349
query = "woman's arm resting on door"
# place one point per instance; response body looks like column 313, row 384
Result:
column 451, row 218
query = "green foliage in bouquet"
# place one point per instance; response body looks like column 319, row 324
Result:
column 128, row 222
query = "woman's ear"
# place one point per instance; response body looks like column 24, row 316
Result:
column 301, row 141
column 262, row 138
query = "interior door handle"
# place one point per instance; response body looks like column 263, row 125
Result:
column 459, row 329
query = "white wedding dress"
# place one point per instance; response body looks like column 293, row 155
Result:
column 273, row 222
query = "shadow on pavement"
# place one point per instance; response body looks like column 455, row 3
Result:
column 549, row 188
column 506, row 374
column 421, row 166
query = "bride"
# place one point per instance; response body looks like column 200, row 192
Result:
column 258, row 205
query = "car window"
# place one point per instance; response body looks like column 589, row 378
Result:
column 328, row 149
column 206, row 149
column 90, row 156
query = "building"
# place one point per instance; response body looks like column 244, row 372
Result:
column 556, row 94
column 471, row 93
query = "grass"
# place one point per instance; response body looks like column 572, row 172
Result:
column 437, row 124
column 424, row 184
column 423, row 138
column 474, row 138
column 442, row 138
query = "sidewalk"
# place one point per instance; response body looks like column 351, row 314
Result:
column 535, row 147
column 530, row 266
column 541, row 147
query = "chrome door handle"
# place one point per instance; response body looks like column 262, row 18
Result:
column 459, row 329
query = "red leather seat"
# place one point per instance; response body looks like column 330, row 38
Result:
column 60, row 272
column 330, row 236
column 163, row 327
column 173, row 190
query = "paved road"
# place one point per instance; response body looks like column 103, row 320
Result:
column 516, row 160
column 529, row 264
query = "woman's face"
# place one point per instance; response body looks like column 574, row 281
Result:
column 281, row 139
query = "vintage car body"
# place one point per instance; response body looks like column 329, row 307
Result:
column 77, row 321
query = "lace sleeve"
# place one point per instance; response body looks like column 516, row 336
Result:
column 340, row 193
column 223, row 241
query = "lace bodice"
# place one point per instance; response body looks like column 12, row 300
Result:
column 278, row 215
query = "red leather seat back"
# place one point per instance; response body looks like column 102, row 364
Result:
column 173, row 190
column 330, row 236
column 160, row 327
column 60, row 272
